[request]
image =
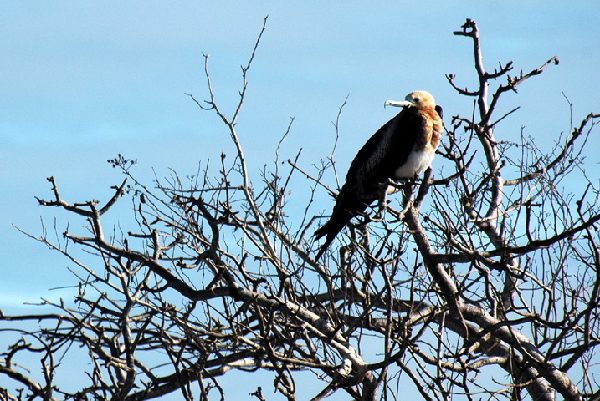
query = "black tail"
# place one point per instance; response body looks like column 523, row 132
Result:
column 323, row 248
column 330, row 229
column 346, row 207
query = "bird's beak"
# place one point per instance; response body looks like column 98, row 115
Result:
column 396, row 103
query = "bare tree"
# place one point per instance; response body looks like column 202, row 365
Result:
column 483, row 283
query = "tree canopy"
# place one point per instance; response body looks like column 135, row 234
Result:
column 481, row 281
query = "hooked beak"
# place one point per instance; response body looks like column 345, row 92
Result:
column 396, row 103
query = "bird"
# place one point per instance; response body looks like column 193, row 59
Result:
column 402, row 148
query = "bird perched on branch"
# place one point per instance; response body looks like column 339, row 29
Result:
column 403, row 148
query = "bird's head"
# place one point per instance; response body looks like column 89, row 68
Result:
column 418, row 99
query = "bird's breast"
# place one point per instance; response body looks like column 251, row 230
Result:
column 417, row 162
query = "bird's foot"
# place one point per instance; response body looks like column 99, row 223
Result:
column 383, row 205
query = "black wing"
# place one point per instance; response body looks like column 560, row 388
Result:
column 386, row 150
column 374, row 163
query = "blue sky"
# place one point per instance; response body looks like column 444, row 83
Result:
column 83, row 81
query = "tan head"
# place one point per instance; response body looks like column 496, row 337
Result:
column 418, row 99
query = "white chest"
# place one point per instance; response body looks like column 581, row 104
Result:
column 417, row 162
